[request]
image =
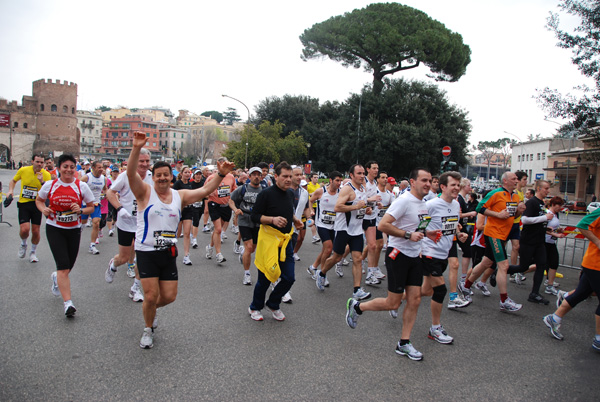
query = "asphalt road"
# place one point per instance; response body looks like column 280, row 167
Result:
column 207, row 347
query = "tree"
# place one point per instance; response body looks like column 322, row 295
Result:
column 490, row 148
column 230, row 116
column 213, row 114
column 103, row 108
column 506, row 151
column 201, row 144
column 293, row 111
column 386, row 38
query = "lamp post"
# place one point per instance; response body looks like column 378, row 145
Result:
column 247, row 122
column 246, row 161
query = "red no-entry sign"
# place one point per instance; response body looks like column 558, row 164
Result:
column 446, row 150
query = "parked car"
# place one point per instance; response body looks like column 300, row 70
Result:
column 578, row 206
column 592, row 207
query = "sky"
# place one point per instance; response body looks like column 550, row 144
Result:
column 186, row 54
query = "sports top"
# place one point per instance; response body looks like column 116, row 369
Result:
column 223, row 193
column 410, row 214
column 61, row 195
column 351, row 222
column 371, row 190
column 128, row 201
column 326, row 209
column 591, row 259
column 444, row 216
column 387, row 197
column 498, row 200
column 30, row 185
column 96, row 184
column 157, row 224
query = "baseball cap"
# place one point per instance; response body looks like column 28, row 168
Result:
column 303, row 183
column 179, row 161
column 254, row 169
column 391, row 181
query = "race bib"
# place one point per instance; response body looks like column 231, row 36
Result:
column 224, row 191
column 449, row 225
column 511, row 207
column 328, row 217
column 66, row 217
column 29, row 192
column 197, row 204
column 361, row 213
column 134, row 208
column 164, row 239
column 423, row 223
column 382, row 211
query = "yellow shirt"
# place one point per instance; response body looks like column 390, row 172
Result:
column 521, row 199
column 311, row 189
column 30, row 185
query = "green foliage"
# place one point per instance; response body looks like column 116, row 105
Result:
column 218, row 116
column 230, row 116
column 103, row 108
column 385, row 38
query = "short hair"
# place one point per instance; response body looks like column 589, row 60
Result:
column 161, row 164
column 311, row 175
column 222, row 159
column 380, row 173
column 144, row 151
column 435, row 178
column 262, row 165
column 530, row 191
column 369, row 164
column 37, row 155
column 520, row 174
column 48, row 158
column 66, row 158
column 353, row 168
column 556, row 200
column 95, row 163
column 539, row 183
column 443, row 179
column 415, row 173
column 282, row 165
column 505, row 176
column 464, row 182
column 335, row 174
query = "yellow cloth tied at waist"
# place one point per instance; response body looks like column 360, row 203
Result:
column 269, row 241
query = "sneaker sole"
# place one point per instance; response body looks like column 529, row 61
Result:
column 551, row 330
column 70, row 312
column 276, row 319
column 439, row 341
column 544, row 302
column 146, row 346
column 260, row 318
column 416, row 359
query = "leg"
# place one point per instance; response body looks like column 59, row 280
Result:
column 452, row 273
column 24, row 230
column 35, row 234
column 95, row 229
column 215, row 240
column 187, row 227
column 413, row 299
column 249, row 247
column 151, row 292
column 356, row 267
column 514, row 254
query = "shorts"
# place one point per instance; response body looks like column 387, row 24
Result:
column 326, row 234
column 515, row 232
column 433, row 266
column 403, row 271
column 495, row 249
column 343, row 239
column 367, row 223
column 378, row 234
column 552, row 256
column 197, row 214
column 187, row 214
column 125, row 238
column 248, row 233
column 157, row 264
column 219, row 211
column 95, row 214
column 28, row 212
column 465, row 247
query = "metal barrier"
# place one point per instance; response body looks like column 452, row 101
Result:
column 571, row 251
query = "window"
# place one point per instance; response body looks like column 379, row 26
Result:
column 147, row 143
column 114, row 134
column 181, row 135
column 154, row 135
column 174, row 135
column 174, row 145
column 15, row 124
column 53, row 108
column 72, row 110
column 124, row 143
column 519, row 158
column 531, row 158
column 42, row 107
column 139, row 125
column 527, row 157
column 154, row 144
column 543, row 156
column 126, row 125
column 65, row 109
column 24, row 125
column 115, row 124
column 147, row 135
column 538, row 156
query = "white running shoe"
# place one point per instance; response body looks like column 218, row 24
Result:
column 55, row 290
column 236, row 247
column 311, row 271
column 339, row 270
column 345, row 262
column 155, row 322
column 458, row 302
column 94, row 250
column 277, row 314
column 256, row 315
column 296, row 257
column 440, row 335
column 378, row 274
column 22, row 250
column 287, row 298
column 100, row 234
column 247, row 278
column 394, row 313
column 33, row 257
column 131, row 270
column 109, row 275
column 206, row 229
column 364, row 264
column 509, row 305
column 88, row 224
column 360, row 294
column 70, row 309
column 220, row 258
column 186, row 260
column 484, row 289
column 326, row 283
column 223, row 236
column 111, row 233
column 242, row 249
column 209, row 252
column 135, row 294
column 147, row 341
column 372, row 280
column 315, row 239
column 235, row 229
column 194, row 242
column 320, row 281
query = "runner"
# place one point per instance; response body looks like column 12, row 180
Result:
column 30, row 218
column 435, row 187
column 220, row 213
column 197, row 207
column 369, row 224
column 63, row 224
column 97, row 183
column 50, row 168
column 467, row 221
column 155, row 244
column 111, row 218
column 515, row 232
column 351, row 207
column 312, row 186
column 500, row 206
column 553, row 232
column 121, row 197
column 242, row 202
column 274, row 211
column 405, row 222
column 187, row 213
column 302, row 209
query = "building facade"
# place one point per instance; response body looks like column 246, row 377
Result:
column 117, row 137
column 90, row 127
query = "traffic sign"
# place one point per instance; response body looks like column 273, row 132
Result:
column 271, row 165
column 446, row 150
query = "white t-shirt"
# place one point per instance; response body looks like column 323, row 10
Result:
column 410, row 213
column 387, row 197
column 371, row 190
column 128, row 201
column 444, row 216
column 430, row 196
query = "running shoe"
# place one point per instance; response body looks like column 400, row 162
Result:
column 186, row 260
column 220, row 258
column 555, row 284
column 205, row 229
column 462, row 283
column 296, row 257
column 493, row 279
column 596, row 344
column 440, row 335
column 242, row 249
column 537, row 298
column 351, row 314
column 510, row 306
column 247, row 278
column 551, row 290
column 360, row 294
column 378, row 274
column 93, row 250
column 194, row 242
column 287, row 298
column 131, row 270
column 70, row 309
column 223, row 236
column 147, row 340
column 241, row 258
column 465, row 292
column 235, row 229
column 339, row 270
column 22, row 250
column 457, row 302
column 409, row 351
column 88, row 224
column 560, row 296
column 554, row 327
column 320, row 281
column 394, row 313
column 277, row 314
column 209, row 252
column 55, row 290
column 256, row 315
column 111, row 233
column 364, row 264
column 326, row 284
column 135, row 294
column 372, row 280
column 522, row 277
column 236, row 247
column 33, row 257
column 97, row 241
column 483, row 288
column 345, row 262
column 315, row 239
column 109, row 275
column 155, row 322
column 311, row 271
column 100, row 233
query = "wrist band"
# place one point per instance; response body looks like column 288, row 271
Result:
column 222, row 175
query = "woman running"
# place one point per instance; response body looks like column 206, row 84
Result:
column 187, row 213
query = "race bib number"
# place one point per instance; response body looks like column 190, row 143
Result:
column 511, row 207
column 382, row 211
column 423, row 223
column 224, row 191
column 164, row 239
column 134, row 208
column 66, row 217
column 361, row 213
column 328, row 217
column 29, row 192
column 449, row 225
column 197, row 204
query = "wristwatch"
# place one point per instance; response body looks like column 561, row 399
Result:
column 407, row 235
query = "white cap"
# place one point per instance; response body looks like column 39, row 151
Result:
column 303, row 183
column 254, row 169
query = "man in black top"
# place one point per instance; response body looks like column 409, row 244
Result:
column 532, row 244
column 275, row 207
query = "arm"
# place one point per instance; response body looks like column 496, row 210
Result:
column 316, row 195
column 11, row 187
column 111, row 196
column 480, row 224
column 137, row 185
column 340, row 205
column 386, row 226
column 588, row 234
column 191, row 196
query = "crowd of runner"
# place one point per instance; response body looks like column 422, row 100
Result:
column 419, row 224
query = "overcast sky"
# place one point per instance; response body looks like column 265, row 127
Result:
column 186, row 54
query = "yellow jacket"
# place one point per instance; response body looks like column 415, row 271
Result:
column 269, row 240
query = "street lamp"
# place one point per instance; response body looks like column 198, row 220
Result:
column 520, row 150
column 246, row 161
column 247, row 122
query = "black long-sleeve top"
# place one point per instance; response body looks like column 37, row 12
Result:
column 274, row 201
